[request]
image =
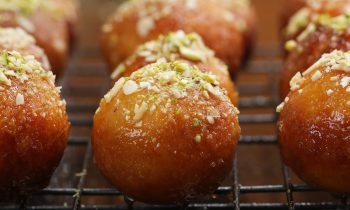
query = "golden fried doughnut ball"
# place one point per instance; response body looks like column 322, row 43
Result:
column 322, row 36
column 16, row 39
column 69, row 8
column 136, row 22
column 179, row 46
column 166, row 134
column 44, row 23
column 314, row 125
column 315, row 11
column 33, row 125
column 244, row 16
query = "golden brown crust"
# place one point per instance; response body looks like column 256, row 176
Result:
column 307, row 49
column 33, row 130
column 313, row 12
column 18, row 40
column 129, row 28
column 69, row 9
column 314, row 126
column 180, row 148
column 46, row 26
column 244, row 15
column 179, row 46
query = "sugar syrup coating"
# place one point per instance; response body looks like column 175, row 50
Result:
column 312, row 12
column 166, row 134
column 244, row 15
column 16, row 39
column 69, row 8
column 179, row 46
column 33, row 125
column 322, row 36
column 136, row 22
column 44, row 22
column 314, row 124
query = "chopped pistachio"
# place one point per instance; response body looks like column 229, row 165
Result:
column 197, row 122
column 191, row 54
column 290, row 45
column 198, row 138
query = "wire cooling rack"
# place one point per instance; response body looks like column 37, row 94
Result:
column 73, row 186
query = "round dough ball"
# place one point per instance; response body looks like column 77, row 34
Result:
column 69, row 9
column 16, row 39
column 179, row 46
column 322, row 36
column 136, row 22
column 44, row 23
column 33, row 125
column 244, row 16
column 315, row 11
column 166, row 134
column 314, row 125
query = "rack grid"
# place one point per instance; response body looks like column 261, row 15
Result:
column 87, row 79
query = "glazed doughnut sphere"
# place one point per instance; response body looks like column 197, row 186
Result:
column 33, row 125
column 69, row 9
column 315, row 10
column 179, row 46
column 166, row 134
column 318, row 38
column 136, row 22
column 244, row 16
column 314, row 124
column 44, row 23
column 16, row 39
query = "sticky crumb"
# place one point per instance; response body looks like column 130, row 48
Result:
column 211, row 119
column 280, row 107
column 344, row 82
column 198, row 138
column 19, row 99
column 317, row 75
column 139, row 111
column 335, row 78
column 191, row 4
column 130, row 87
column 329, row 92
column 59, row 45
column 113, row 92
column 144, row 26
column 295, row 81
column 138, row 125
column 290, row 45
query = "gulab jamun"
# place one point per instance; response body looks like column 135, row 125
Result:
column 314, row 124
column 33, row 125
column 166, row 134
column 136, row 22
column 321, row 36
column 179, row 46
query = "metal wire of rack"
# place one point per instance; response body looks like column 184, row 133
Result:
column 265, row 61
